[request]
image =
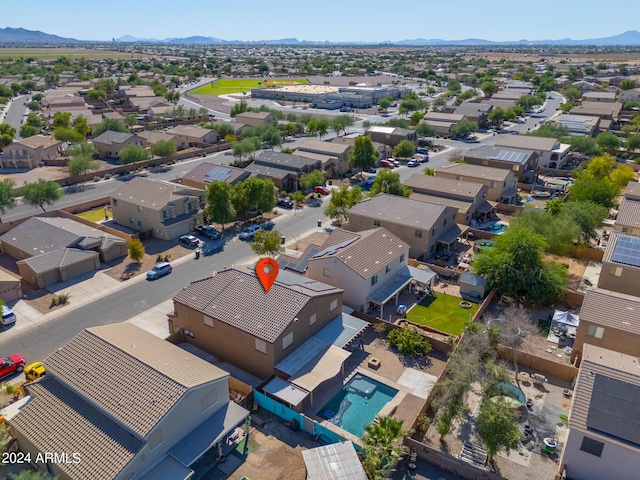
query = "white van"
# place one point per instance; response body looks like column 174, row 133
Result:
column 8, row 317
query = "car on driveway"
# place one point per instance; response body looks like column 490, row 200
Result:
column 387, row 164
column 249, row 232
column 413, row 163
column 160, row 270
column 370, row 180
column 208, row 231
column 11, row 364
column 189, row 241
column 285, row 203
column 8, row 317
column 322, row 190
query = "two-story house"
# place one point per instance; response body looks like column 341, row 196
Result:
column 443, row 122
column 110, row 143
column 551, row 153
column 608, row 320
column 470, row 198
column 333, row 156
column 523, row 162
column 621, row 264
column 604, row 428
column 232, row 317
column 168, row 209
column 628, row 218
column 119, row 403
column 284, row 169
column 202, row 175
column 30, row 152
column 427, row 227
column 502, row 185
column 193, row 135
column 256, row 119
column 390, row 135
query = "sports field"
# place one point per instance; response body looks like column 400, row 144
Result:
column 226, row 87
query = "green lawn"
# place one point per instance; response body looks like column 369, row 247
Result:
column 226, row 87
column 442, row 312
column 96, row 215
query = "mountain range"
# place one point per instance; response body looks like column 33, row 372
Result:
column 21, row 35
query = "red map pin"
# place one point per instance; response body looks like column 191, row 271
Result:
column 267, row 270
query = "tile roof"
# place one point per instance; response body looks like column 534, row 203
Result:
column 268, row 171
column 189, row 131
column 37, row 141
column 491, row 152
column 443, row 186
column 369, row 251
column 168, row 469
column 56, row 419
column 58, row 259
column 528, row 142
column 632, row 190
column 611, row 309
column 629, row 213
column 152, row 136
column 152, row 193
column 443, row 117
column 472, row 108
column 110, row 137
column 400, row 210
column 324, row 147
column 236, row 297
column 257, row 115
column 146, row 376
column 476, row 171
column 92, row 237
column 284, row 160
column 207, row 172
column 610, row 250
column 597, row 361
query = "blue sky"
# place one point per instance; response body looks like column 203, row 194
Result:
column 319, row 20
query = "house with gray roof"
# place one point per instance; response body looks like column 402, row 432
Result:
column 425, row 226
column 205, row 173
column 232, row 317
column 333, row 156
column 523, row 162
column 551, row 153
column 56, row 249
column 501, row 184
column 128, row 405
column 628, row 218
column 603, row 440
column 110, row 143
column 475, row 112
column 474, row 195
column 390, row 135
column 621, row 264
column 284, row 169
column 164, row 209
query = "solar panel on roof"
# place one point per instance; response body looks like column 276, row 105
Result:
column 572, row 119
column 217, row 174
column 510, row 156
column 334, row 248
column 627, row 251
column 612, row 409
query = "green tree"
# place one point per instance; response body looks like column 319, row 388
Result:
column 67, row 135
column 81, row 164
column 62, row 120
column 632, row 142
column 364, row 154
column 136, row 249
column 388, row 181
column 572, row 93
column 409, row 341
column 32, row 105
column 559, row 231
column 341, row 123
column 383, row 448
column 7, row 195
column 239, row 107
column 599, row 190
column 219, row 206
column 271, row 136
column 267, row 243
column 312, row 179
column 323, row 126
column 34, row 120
column 627, row 84
column 429, row 171
column 404, row 149
column 622, row 175
column 528, row 101
column 41, row 193
column 297, row 197
column 464, row 128
column 496, row 117
column 341, row 202
column 454, row 86
column 81, row 126
column 488, row 88
column 164, row 148
column 514, row 267
column 497, row 427
column 223, row 129
column 27, row 131
column 550, row 130
column 600, row 167
column 112, row 124
column 385, row 102
column 81, row 149
column 425, row 130
column 608, row 140
column 587, row 215
column 133, row 153
column 97, row 94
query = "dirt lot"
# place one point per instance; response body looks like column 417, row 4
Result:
column 597, row 57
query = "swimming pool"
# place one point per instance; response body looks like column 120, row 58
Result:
column 497, row 228
column 356, row 405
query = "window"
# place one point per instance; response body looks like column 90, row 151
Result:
column 625, row 230
column 595, row 331
column 115, row 201
column 433, row 232
column 445, row 221
column 208, row 321
column 592, row 446
column 139, row 224
column 458, row 177
column 516, row 168
column 432, row 248
column 326, row 272
column 261, row 346
column 493, row 184
column 165, row 214
column 139, row 209
column 616, row 271
column 402, row 258
column 312, row 319
column 419, row 233
column 189, row 207
column 376, row 223
column 388, row 269
column 287, row 341
column 131, row 220
column 374, row 280
column 485, row 162
column 333, row 306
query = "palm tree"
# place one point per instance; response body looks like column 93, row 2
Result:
column 383, row 446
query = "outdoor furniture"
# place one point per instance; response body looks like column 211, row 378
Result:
column 538, row 380
column 374, row 363
column 523, row 377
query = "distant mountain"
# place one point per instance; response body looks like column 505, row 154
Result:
column 629, row 38
column 20, row 35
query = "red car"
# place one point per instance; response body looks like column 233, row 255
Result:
column 322, row 190
column 11, row 364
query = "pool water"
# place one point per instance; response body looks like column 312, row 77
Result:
column 356, row 405
column 496, row 228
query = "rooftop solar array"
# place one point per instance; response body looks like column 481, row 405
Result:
column 574, row 126
column 510, row 156
column 613, row 409
column 573, row 119
column 627, row 251
column 334, row 248
column 291, row 279
column 217, row 174
column 302, row 263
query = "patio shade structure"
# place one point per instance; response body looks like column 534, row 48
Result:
column 566, row 317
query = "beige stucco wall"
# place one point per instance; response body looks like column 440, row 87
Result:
column 494, row 188
column 627, row 282
column 612, row 339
